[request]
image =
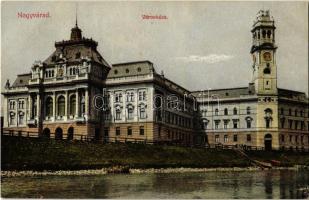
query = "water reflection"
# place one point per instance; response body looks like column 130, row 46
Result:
column 261, row 184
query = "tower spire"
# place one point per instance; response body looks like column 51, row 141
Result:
column 76, row 15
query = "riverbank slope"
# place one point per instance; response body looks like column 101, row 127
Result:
column 36, row 154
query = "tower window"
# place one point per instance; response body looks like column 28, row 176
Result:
column 264, row 33
column 268, row 34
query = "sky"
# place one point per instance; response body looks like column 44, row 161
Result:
column 200, row 45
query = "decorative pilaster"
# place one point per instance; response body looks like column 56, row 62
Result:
column 66, row 105
column 54, row 106
column 77, row 104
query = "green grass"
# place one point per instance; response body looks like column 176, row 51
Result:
column 37, row 154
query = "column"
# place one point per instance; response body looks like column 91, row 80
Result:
column 54, row 106
column 38, row 107
column 30, row 106
column 77, row 103
column 86, row 104
column 136, row 105
column 66, row 106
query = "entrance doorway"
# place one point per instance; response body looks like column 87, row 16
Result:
column 58, row 134
column 268, row 142
column 70, row 133
column 46, row 133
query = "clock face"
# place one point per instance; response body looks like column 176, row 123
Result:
column 267, row 56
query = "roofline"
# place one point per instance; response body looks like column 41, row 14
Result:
column 292, row 90
column 221, row 89
column 163, row 77
column 133, row 62
column 24, row 74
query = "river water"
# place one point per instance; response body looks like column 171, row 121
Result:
column 248, row 184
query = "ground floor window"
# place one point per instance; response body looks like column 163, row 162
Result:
column 226, row 139
column 129, row 130
column 248, row 138
column 282, row 138
column 217, row 139
column 106, row 132
column 118, row 131
column 141, row 130
column 235, row 138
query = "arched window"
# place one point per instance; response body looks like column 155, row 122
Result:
column 248, row 110
column 264, row 33
column 72, row 105
column 118, row 114
column 268, row 34
column 49, row 106
column 235, row 111
column 217, row 111
column 226, row 111
column 142, row 113
column 70, row 135
column 130, row 113
column 61, row 106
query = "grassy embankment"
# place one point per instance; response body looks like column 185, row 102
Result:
column 36, row 154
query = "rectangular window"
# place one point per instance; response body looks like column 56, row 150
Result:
column 302, row 139
column 118, row 115
column 159, row 132
column 290, row 124
column 106, row 132
column 141, row 130
column 235, row 124
column 217, row 124
column 130, row 113
column 291, row 138
column 248, row 138
column 248, row 123
column 21, row 119
column 217, row 139
column 142, row 113
column 117, row 130
column 226, row 139
column 235, row 138
column 225, row 124
column 282, row 138
column 129, row 130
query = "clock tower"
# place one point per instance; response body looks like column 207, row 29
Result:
column 264, row 54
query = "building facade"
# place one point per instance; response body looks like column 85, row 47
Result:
column 260, row 115
column 75, row 93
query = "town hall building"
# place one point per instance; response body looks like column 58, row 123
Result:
column 76, row 94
